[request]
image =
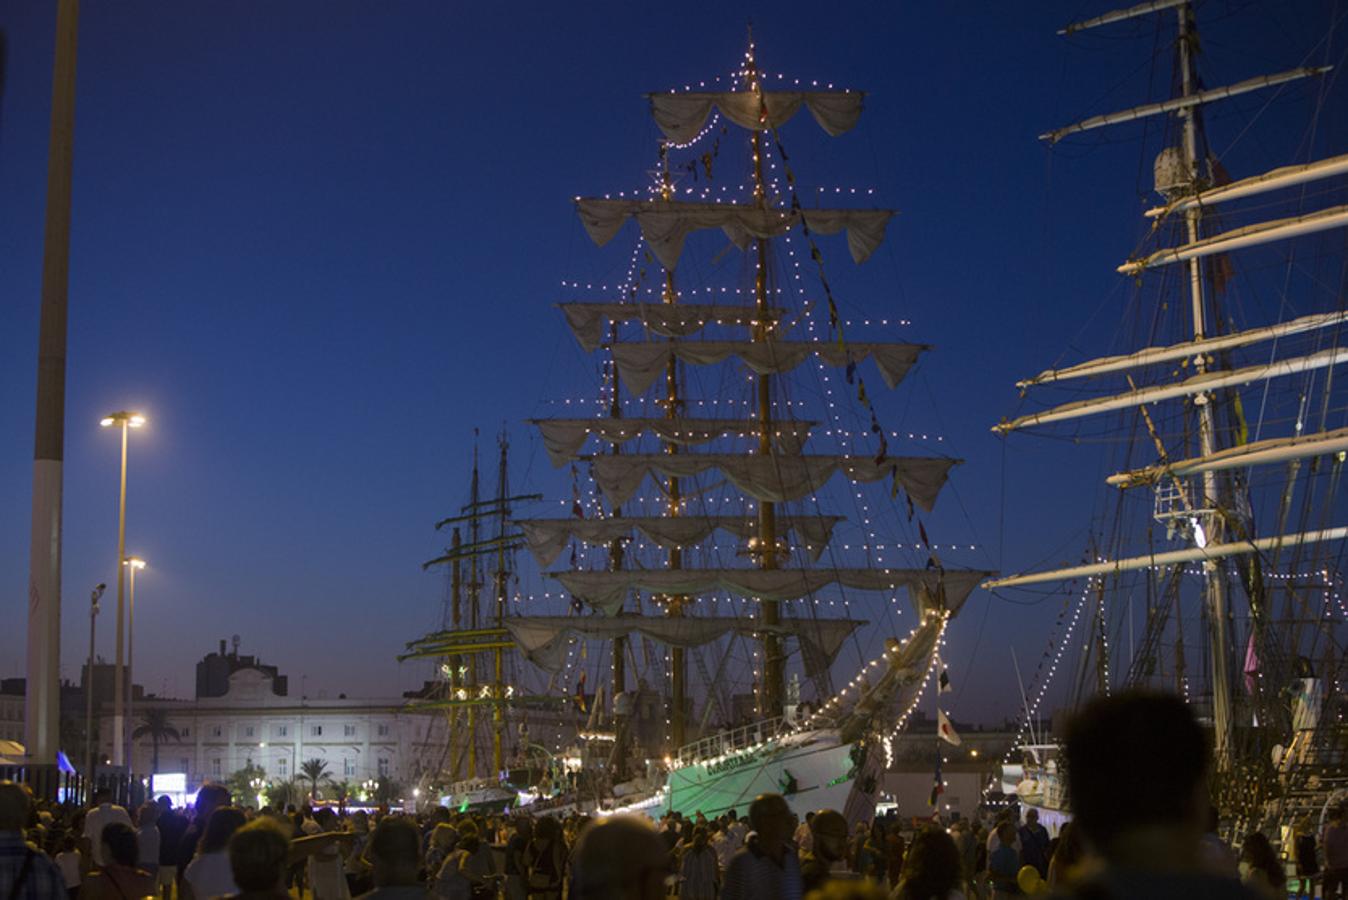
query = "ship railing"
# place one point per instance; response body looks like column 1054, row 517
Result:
column 732, row 741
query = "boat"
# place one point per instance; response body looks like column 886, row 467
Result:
column 704, row 525
column 1219, row 406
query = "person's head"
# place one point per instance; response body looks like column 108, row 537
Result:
column 1111, row 794
column 360, row 821
column 1258, row 854
column 732, row 815
column 772, row 819
column 165, row 803
column 469, row 836
column 828, row 829
column 394, row 852
column 1032, row 817
column 621, row 858
column 258, row 853
column 148, row 814
column 1006, row 833
column 220, row 827
column 444, row 837
column 547, row 829
column 119, row 844
column 326, row 819
column 15, row 802
column 439, row 814
column 524, row 827
column 68, row 843
column 931, row 868
column 700, row 838
column 210, row 798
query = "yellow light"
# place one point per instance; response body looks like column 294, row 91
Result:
column 134, row 563
column 105, row 421
column 136, row 421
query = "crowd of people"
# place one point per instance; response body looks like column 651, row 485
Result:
column 1138, row 831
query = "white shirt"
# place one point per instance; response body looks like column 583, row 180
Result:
column 96, row 820
column 68, row 861
column 147, row 839
column 210, row 875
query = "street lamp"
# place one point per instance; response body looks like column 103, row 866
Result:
column 133, row 564
column 94, row 597
column 124, row 420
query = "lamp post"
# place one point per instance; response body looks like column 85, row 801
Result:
column 133, row 565
column 94, row 597
column 124, row 420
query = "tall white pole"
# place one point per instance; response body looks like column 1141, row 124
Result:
column 130, row 677
column 119, row 675
column 42, row 718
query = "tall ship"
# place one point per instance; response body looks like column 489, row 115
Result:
column 1213, row 567
column 741, row 594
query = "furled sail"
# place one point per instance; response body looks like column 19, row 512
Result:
column 544, row 639
column 1154, row 355
column 682, row 115
column 665, row 224
column 606, row 590
column 1273, row 180
column 1249, row 236
column 665, row 319
column 1271, row 450
column 776, row 479
column 547, row 537
column 640, row 364
column 1198, row 384
column 563, row 438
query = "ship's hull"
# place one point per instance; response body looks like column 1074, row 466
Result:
column 813, row 771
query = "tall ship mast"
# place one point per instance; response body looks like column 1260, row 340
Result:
column 1226, row 408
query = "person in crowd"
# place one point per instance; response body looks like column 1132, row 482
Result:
column 259, row 854
column 357, row 870
column 1260, row 868
column 1303, row 849
column 962, row 834
column 327, row 876
column 931, row 870
column 1004, row 862
column 827, row 858
column 172, row 825
column 443, row 838
column 545, row 857
column 767, row 866
column 699, row 870
column 26, row 873
column 620, row 858
column 1068, row 857
column 469, row 872
column 147, row 838
column 394, row 853
column 210, row 798
column 103, row 813
column 1217, row 855
column 1034, row 841
column 71, row 863
column 894, row 850
column 1335, row 844
column 1145, row 822
column 118, row 877
column 208, row 874
column 516, row 869
column 803, row 834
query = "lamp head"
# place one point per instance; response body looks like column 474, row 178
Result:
column 134, row 562
column 124, row 418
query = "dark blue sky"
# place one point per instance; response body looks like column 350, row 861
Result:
column 317, row 243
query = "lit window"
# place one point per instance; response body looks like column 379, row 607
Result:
column 282, row 730
column 316, row 730
column 248, row 731
column 383, row 767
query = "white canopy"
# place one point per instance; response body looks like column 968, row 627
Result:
column 547, row 537
column 665, row 224
column 563, row 438
column 773, row 478
column 665, row 319
column 640, row 364
column 607, row 590
column 543, row 639
column 682, row 115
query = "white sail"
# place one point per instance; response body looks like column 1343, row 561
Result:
column 665, row 319
column 1277, row 179
column 1177, row 103
column 1249, row 236
column 1154, row 355
column 548, row 537
column 1271, row 450
column 1192, row 554
column 665, row 224
column 544, row 640
column 682, row 115
column 1196, row 385
column 1119, row 15
column 776, row 479
column 640, row 364
column 606, row 590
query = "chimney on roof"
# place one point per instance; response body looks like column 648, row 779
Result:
column 222, row 648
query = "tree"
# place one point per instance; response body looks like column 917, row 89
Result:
column 156, row 725
column 342, row 791
column 315, row 770
column 281, row 793
column 241, row 784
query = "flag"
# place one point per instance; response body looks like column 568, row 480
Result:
column 938, row 783
column 943, row 681
column 1251, row 664
column 579, row 699
column 945, row 731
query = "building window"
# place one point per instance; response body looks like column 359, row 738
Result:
column 282, row 730
column 383, row 767
column 383, row 730
column 185, row 731
column 316, row 730
column 282, row 765
column 349, row 730
column 248, row 731
column 216, row 731
column 348, row 768
column 215, row 767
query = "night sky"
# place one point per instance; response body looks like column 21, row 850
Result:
column 317, row 243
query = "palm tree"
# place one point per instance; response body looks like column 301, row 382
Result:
column 315, row 770
column 156, row 725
